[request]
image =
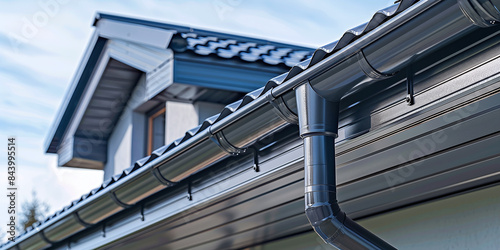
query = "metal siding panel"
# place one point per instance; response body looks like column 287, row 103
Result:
column 121, row 73
column 273, row 230
column 92, row 149
column 180, row 218
column 159, row 79
column 425, row 139
column 458, row 156
column 99, row 112
column 465, row 178
column 65, row 151
column 218, row 76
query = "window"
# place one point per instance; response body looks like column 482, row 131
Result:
column 156, row 129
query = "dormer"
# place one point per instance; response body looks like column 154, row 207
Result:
column 142, row 84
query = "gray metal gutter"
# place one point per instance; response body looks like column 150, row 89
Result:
column 421, row 28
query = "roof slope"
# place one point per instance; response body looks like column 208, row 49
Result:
column 246, row 51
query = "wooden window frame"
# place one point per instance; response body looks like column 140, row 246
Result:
column 150, row 128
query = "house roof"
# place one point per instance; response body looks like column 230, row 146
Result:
column 224, row 45
column 191, row 42
column 200, row 44
column 269, row 53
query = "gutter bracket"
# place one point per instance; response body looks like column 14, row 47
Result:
column 480, row 14
column 221, row 141
column 255, row 165
column 369, row 71
column 189, row 194
column 410, row 98
column 156, row 173
column 142, row 213
column 44, row 237
column 282, row 109
column 104, row 229
column 83, row 223
column 112, row 195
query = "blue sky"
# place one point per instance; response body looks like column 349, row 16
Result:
column 42, row 42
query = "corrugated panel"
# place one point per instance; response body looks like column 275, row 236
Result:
column 226, row 75
column 319, row 55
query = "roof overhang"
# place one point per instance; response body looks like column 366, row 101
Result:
column 99, row 98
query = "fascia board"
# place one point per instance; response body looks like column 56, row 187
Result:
column 140, row 34
column 137, row 56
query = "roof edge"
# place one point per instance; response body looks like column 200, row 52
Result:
column 63, row 116
column 188, row 29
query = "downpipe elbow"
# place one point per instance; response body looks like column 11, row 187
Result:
column 336, row 229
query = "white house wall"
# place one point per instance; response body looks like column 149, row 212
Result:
column 119, row 147
column 207, row 109
column 442, row 224
column 179, row 117
column 469, row 221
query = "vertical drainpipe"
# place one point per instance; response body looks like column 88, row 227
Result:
column 318, row 117
column 318, row 124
